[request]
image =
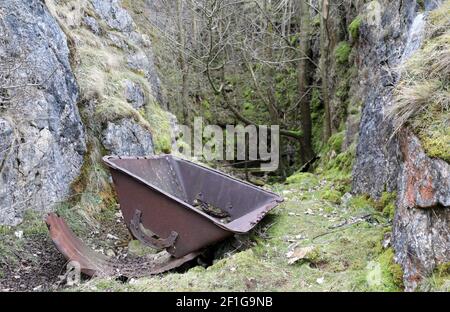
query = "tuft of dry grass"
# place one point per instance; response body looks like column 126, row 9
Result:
column 414, row 98
column 438, row 20
column 422, row 97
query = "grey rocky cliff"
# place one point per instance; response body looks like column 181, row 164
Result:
column 421, row 232
column 378, row 154
column 42, row 138
column 119, row 20
column 134, row 94
column 113, row 14
column 41, row 135
column 390, row 34
column 127, row 138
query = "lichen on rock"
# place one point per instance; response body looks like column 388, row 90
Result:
column 42, row 135
column 127, row 138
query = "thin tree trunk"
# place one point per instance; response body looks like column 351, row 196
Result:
column 304, row 78
column 183, row 63
column 324, row 53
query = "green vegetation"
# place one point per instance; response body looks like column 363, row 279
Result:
column 439, row 280
column 353, row 28
column 13, row 239
column 159, row 124
column 339, row 259
column 303, row 180
column 385, row 274
column 317, row 119
column 342, row 52
column 386, row 204
column 422, row 97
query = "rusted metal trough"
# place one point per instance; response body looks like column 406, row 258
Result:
column 177, row 205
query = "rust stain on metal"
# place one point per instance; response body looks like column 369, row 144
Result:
column 165, row 190
column 74, row 249
column 95, row 264
column 160, row 197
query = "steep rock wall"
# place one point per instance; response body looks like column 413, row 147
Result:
column 41, row 135
column 421, row 233
column 383, row 36
column 88, row 86
column 115, row 69
column 389, row 34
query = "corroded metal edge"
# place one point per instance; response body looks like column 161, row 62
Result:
column 73, row 249
column 238, row 227
column 93, row 263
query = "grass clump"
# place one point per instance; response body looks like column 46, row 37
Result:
column 422, row 98
column 439, row 280
column 304, row 180
column 438, row 21
column 342, row 52
column 385, row 274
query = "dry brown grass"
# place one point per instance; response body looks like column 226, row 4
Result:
column 425, row 82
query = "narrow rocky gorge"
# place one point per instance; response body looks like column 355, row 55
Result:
column 84, row 79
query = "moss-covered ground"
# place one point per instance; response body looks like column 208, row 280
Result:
column 342, row 234
column 321, row 238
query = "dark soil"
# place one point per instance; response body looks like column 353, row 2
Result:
column 36, row 264
column 36, row 267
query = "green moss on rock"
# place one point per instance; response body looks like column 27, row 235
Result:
column 354, row 26
column 436, row 141
column 335, row 142
column 342, row 52
column 392, row 272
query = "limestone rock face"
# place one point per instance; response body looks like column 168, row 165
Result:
column 113, row 14
column 127, row 138
column 383, row 37
column 121, row 24
column 41, row 135
column 134, row 94
column 391, row 32
column 92, row 24
column 421, row 235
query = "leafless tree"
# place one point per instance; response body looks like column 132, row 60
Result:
column 254, row 40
